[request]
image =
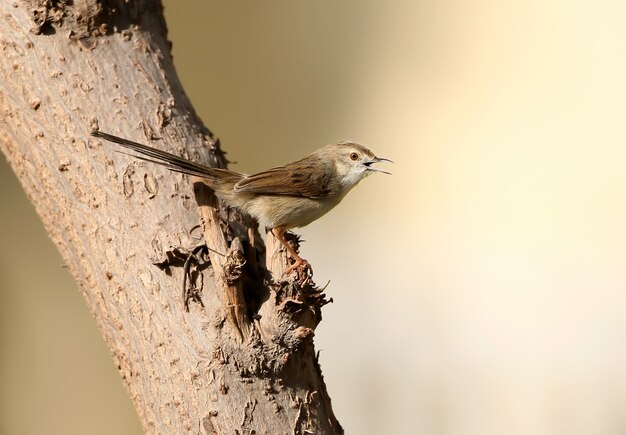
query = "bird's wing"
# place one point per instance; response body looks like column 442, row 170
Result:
column 296, row 179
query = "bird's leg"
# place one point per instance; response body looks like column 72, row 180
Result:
column 279, row 233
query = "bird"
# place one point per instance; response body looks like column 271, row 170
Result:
column 281, row 198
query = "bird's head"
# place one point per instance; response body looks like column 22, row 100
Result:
column 353, row 161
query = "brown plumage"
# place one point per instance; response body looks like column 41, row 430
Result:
column 280, row 198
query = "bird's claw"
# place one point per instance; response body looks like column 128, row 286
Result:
column 303, row 270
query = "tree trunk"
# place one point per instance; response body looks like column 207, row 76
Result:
column 241, row 360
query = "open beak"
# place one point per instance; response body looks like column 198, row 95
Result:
column 377, row 160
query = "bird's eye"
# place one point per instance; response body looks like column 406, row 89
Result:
column 354, row 156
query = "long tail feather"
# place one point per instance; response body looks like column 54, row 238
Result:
column 168, row 160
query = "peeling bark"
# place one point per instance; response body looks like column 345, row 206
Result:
column 241, row 359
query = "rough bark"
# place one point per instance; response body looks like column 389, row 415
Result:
column 242, row 359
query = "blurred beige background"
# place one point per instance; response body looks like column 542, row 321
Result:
column 479, row 290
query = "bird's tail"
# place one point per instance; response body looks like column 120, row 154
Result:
column 168, row 160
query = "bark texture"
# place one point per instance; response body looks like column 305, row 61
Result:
column 242, row 359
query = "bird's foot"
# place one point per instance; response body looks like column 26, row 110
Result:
column 300, row 263
column 303, row 270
